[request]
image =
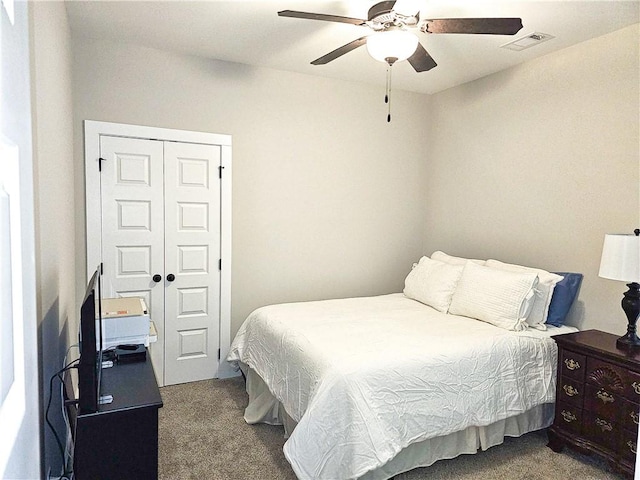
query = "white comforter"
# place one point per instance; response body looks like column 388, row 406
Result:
column 366, row 377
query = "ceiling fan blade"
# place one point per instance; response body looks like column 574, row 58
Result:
column 490, row 26
column 407, row 7
column 338, row 52
column 421, row 61
column 380, row 8
column 322, row 16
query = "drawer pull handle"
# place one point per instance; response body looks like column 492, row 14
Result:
column 636, row 387
column 635, row 417
column 568, row 416
column 570, row 391
column 632, row 446
column 604, row 425
column 605, row 396
column 573, row 365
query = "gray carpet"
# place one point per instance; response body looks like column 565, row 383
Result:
column 203, row 436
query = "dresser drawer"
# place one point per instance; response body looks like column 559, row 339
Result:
column 628, row 445
column 630, row 416
column 568, row 417
column 606, row 375
column 573, row 365
column 602, row 401
column 632, row 387
column 601, row 430
column 571, row 391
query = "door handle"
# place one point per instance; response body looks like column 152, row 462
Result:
column 157, row 278
column 171, row 277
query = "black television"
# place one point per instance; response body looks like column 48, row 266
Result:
column 90, row 341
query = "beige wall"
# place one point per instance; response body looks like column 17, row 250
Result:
column 532, row 165
column 55, row 216
column 326, row 195
column 535, row 164
column 53, row 161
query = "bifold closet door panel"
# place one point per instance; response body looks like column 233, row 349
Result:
column 192, row 251
column 132, row 191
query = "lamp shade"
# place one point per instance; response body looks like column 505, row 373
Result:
column 398, row 44
column 620, row 258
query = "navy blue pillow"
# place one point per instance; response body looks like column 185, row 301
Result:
column 564, row 293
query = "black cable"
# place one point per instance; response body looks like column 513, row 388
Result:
column 58, row 375
column 68, row 460
column 46, row 417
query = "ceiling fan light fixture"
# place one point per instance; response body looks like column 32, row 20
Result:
column 398, row 44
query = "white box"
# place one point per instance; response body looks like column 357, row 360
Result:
column 125, row 321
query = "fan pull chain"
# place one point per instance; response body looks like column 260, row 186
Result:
column 386, row 88
column 387, row 96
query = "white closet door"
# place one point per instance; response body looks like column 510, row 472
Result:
column 132, row 184
column 192, row 250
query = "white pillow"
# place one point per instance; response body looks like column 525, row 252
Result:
column 543, row 291
column 443, row 257
column 495, row 296
column 432, row 283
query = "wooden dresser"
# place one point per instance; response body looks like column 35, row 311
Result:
column 597, row 398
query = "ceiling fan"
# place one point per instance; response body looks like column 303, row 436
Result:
column 392, row 40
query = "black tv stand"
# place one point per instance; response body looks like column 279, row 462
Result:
column 120, row 440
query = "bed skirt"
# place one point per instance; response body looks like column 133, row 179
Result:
column 263, row 407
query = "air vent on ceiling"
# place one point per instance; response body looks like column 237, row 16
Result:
column 527, row 41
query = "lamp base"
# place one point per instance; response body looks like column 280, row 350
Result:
column 631, row 307
column 628, row 342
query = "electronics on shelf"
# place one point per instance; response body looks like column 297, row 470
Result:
column 125, row 321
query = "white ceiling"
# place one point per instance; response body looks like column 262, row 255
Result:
column 251, row 32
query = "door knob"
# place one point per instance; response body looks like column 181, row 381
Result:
column 157, row 278
column 171, row 277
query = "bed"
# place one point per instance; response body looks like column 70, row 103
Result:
column 371, row 387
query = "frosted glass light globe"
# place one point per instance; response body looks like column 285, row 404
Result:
column 398, row 44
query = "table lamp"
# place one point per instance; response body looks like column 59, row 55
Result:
column 621, row 261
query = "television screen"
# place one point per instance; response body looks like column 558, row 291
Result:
column 90, row 365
